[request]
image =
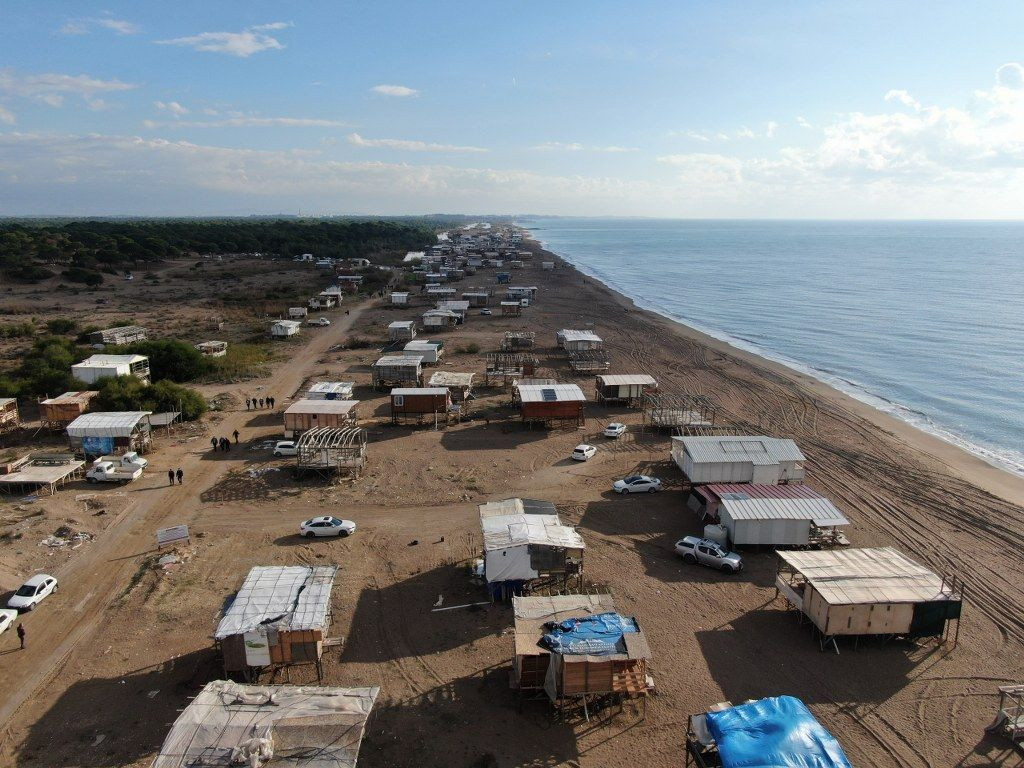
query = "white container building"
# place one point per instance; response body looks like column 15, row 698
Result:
column 739, row 459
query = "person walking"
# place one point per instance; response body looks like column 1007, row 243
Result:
column 213, row 442
column 247, row 403
column 271, row 401
column 181, row 475
column 261, row 402
column 170, row 477
column 235, row 433
column 21, row 635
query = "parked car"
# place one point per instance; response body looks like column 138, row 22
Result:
column 7, row 617
column 109, row 472
column 321, row 321
column 326, row 526
column 583, row 452
column 32, row 592
column 286, row 448
column 615, row 429
column 486, row 311
column 131, row 459
column 637, row 484
column 709, row 553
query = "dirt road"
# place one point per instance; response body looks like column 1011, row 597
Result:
column 92, row 580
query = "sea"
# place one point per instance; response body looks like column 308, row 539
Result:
column 923, row 320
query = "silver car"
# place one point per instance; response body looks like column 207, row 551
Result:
column 709, row 553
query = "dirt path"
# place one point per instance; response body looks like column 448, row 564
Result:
column 91, row 581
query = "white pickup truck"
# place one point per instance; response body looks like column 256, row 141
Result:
column 109, row 472
column 129, row 460
column 323, row 322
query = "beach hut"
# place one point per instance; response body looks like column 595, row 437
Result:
column 122, row 334
column 303, row 415
column 399, row 298
column 623, row 389
column 877, row 591
column 402, row 330
column 283, row 329
column 9, row 416
column 525, row 544
column 97, row 367
column 277, row 726
column 330, row 390
column 397, row 370
column 350, row 283
column 770, row 515
column 459, row 385
column 738, row 459
column 511, row 308
column 103, row 433
column 460, row 308
column 577, row 649
column 476, row 298
column 418, row 402
column 40, row 472
column 58, row 412
column 297, row 313
column 551, row 404
column 578, row 341
column 213, row 348
column 438, row 319
column 430, row 351
column 280, row 616
column 324, row 301
column 547, row 265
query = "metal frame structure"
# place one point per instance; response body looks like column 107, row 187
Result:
column 683, row 414
column 589, row 361
column 508, row 366
column 1009, row 720
column 517, row 340
column 329, row 450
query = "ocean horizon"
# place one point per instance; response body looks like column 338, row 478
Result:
column 923, row 320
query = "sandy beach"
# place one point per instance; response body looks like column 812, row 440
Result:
column 123, row 628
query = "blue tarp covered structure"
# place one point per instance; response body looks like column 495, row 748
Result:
column 778, row 732
column 597, row 635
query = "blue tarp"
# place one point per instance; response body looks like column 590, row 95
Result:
column 774, row 733
column 597, row 635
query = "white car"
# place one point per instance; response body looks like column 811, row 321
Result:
column 326, row 525
column 31, row 593
column 615, row 429
column 637, row 484
column 583, row 452
column 7, row 617
column 286, row 448
column 486, row 311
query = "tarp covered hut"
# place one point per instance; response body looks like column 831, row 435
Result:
column 459, row 385
column 101, row 433
column 398, row 370
column 330, row 390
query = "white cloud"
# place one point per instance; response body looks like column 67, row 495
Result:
column 1010, row 75
column 173, row 107
column 769, row 129
column 408, row 145
column 250, row 121
column 745, row 133
column 395, row 90
column 704, row 169
column 84, row 26
column 6, row 116
column 903, row 98
column 52, row 88
column 560, row 146
column 803, row 122
column 242, row 44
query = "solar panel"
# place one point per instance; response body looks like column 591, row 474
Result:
column 549, row 395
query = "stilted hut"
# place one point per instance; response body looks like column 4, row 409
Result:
column 508, row 366
column 303, row 415
column 9, row 416
column 397, row 370
column 58, row 412
column 417, row 403
column 515, row 341
column 624, row 389
column 511, row 308
column 459, row 385
column 558, row 405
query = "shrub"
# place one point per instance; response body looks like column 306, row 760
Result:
column 469, row 349
column 241, row 361
column 170, row 359
column 81, row 275
column 17, row 330
column 127, row 393
column 61, row 325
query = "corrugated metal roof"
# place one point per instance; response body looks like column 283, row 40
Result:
column 455, row 305
column 402, row 324
column 102, row 361
column 626, row 379
column 861, row 576
column 819, row 510
column 419, row 391
column 539, row 393
column 332, row 387
column 106, row 424
column 291, row 597
column 568, row 334
column 339, row 407
column 398, row 360
column 756, row 450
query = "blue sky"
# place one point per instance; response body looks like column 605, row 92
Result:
column 822, row 110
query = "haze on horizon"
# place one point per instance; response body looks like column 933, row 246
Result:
column 669, row 109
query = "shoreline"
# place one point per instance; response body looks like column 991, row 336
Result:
column 970, row 467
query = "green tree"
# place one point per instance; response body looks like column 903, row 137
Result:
column 170, row 359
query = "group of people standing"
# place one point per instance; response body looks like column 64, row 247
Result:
column 252, row 403
column 171, row 475
column 222, row 443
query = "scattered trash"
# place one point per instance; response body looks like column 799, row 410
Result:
column 152, row 694
column 440, row 601
column 414, row 542
column 99, row 739
column 454, row 607
column 171, row 559
column 68, row 539
column 254, row 473
column 29, row 499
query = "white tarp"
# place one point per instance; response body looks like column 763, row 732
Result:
column 282, row 597
column 106, row 424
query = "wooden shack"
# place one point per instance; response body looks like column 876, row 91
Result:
column 419, row 402
column 572, row 340
column 306, row 414
column 397, row 370
column 279, row 617
column 399, row 298
column 624, row 389
column 565, row 676
column 511, row 308
column 877, row 591
column 9, row 416
column 476, row 298
column 124, row 334
column 551, row 404
column 459, row 385
column 438, row 319
column 402, row 330
column 58, row 412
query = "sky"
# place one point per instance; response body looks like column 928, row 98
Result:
column 759, row 109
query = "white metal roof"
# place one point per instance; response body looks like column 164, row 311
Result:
column 288, row 323
column 287, row 597
column 568, row 334
column 6, row 400
column 626, row 379
column 454, row 304
column 419, row 391
column 400, row 293
column 819, row 511
column 736, row 449
column 503, row 531
column 550, row 393
column 451, row 379
column 439, row 313
column 402, row 324
column 309, row 726
column 398, row 360
column 332, row 387
column 340, row 407
column 104, row 361
column 858, row 576
column 106, row 424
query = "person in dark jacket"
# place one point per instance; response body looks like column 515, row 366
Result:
column 235, row 434
column 181, row 475
column 170, row 477
column 21, row 635
column 213, row 442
